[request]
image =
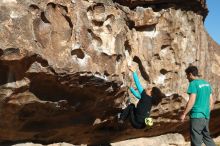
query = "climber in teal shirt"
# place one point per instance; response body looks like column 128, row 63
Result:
column 147, row 98
column 138, row 85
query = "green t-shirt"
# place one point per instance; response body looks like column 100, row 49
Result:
column 202, row 89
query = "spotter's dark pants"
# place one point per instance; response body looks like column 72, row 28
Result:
column 199, row 132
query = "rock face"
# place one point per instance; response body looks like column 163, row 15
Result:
column 197, row 6
column 64, row 66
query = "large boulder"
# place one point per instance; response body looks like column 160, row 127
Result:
column 64, row 67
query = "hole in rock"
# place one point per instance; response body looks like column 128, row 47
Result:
column 127, row 46
column 97, row 40
column 119, row 58
column 10, row 51
column 97, row 23
column 163, row 71
column 69, row 21
column 111, row 17
column 4, row 75
column 141, row 68
column 78, row 52
column 106, row 73
column 146, row 28
column 164, row 46
column 64, row 8
column 51, row 5
column 33, row 7
column 43, row 18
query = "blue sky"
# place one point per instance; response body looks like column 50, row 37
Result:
column 212, row 21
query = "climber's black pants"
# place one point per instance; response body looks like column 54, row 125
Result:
column 199, row 132
column 129, row 111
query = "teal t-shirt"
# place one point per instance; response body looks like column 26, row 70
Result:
column 202, row 89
